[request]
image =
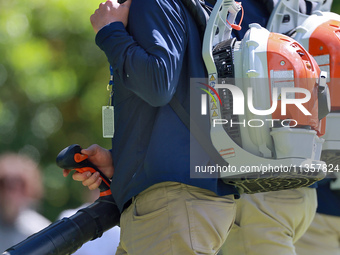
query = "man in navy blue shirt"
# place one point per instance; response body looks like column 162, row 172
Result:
column 154, row 48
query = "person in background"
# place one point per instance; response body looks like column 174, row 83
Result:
column 20, row 191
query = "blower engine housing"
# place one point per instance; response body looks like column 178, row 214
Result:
column 267, row 150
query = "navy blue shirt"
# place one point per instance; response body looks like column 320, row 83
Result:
column 153, row 59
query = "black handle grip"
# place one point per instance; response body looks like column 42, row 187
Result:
column 71, row 158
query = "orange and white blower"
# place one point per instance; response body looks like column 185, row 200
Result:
column 271, row 97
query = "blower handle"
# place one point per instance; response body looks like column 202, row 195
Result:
column 71, row 158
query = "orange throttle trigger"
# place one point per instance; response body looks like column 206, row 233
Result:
column 85, row 169
column 78, row 157
column 71, row 158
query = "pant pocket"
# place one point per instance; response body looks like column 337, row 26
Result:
column 146, row 215
column 147, row 231
column 210, row 223
column 287, row 197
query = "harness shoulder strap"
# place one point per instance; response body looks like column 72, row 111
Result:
column 197, row 132
column 200, row 12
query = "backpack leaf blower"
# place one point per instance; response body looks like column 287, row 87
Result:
column 258, row 126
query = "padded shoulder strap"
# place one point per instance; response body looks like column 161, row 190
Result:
column 197, row 132
column 200, row 12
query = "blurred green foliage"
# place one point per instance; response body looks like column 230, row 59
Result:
column 52, row 85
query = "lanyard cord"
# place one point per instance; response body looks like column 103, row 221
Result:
column 111, row 84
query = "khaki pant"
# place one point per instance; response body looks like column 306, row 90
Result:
column 177, row 219
column 270, row 222
column 321, row 238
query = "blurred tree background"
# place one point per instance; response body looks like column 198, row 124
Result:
column 52, row 85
